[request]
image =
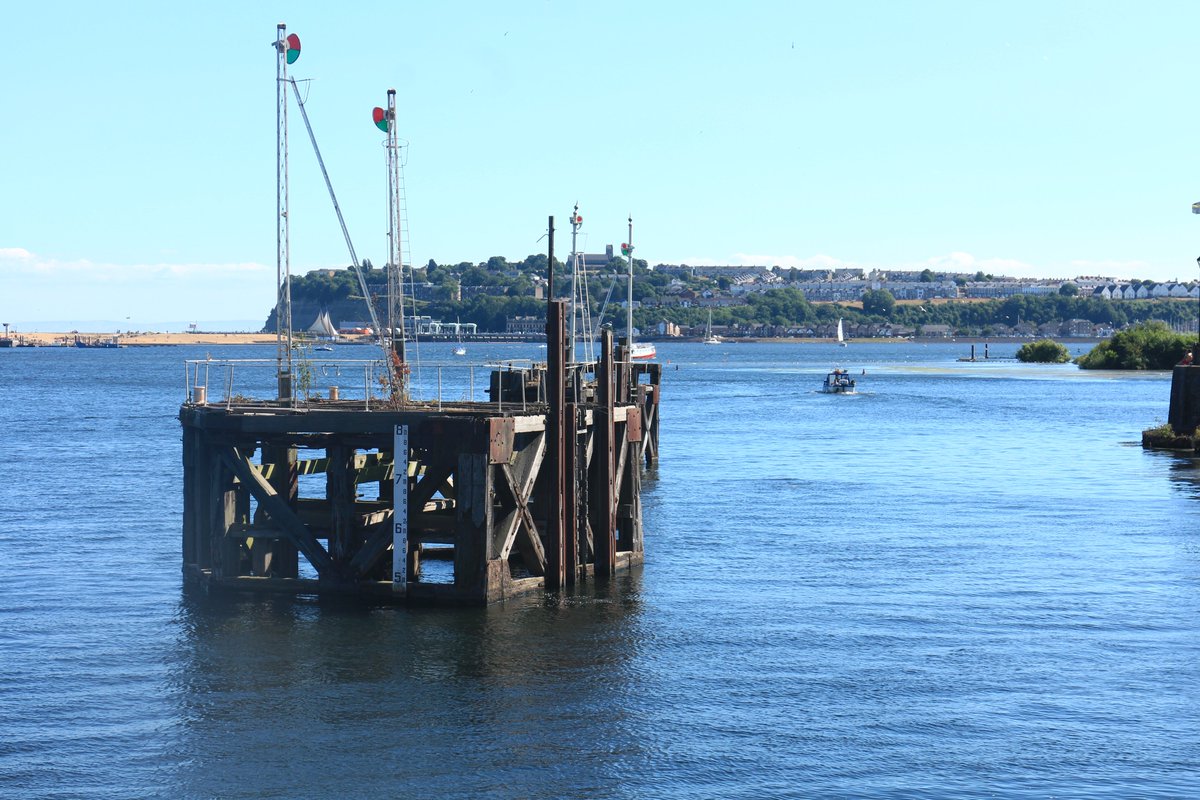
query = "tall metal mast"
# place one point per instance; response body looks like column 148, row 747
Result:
column 629, row 301
column 283, row 268
column 581, row 311
column 395, row 266
column 576, row 224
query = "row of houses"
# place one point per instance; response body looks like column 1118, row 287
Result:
column 1146, row 291
column 1068, row 329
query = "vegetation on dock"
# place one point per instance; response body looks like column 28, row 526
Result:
column 1044, row 351
column 1165, row 437
column 1150, row 345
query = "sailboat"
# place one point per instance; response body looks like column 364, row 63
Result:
column 459, row 350
column 841, row 337
column 708, row 334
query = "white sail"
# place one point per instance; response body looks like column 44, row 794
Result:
column 708, row 334
column 323, row 326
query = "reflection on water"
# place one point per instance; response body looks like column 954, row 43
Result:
column 423, row 701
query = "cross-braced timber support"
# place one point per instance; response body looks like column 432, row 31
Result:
column 466, row 503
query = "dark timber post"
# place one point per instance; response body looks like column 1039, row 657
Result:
column 605, row 530
column 556, row 462
column 572, row 483
column 556, row 549
column 282, row 559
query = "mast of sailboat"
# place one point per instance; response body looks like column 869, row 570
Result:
column 287, row 50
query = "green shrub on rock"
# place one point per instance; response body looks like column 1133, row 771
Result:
column 1150, row 345
column 1044, row 351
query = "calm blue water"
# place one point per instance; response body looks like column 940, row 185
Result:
column 966, row 581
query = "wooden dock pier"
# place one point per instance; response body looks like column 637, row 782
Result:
column 537, row 488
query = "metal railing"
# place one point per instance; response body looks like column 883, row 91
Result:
column 361, row 383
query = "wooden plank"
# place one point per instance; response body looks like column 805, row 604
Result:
column 554, row 559
column 379, row 538
column 282, row 558
column 474, row 520
column 526, row 538
column 339, row 492
column 437, row 478
column 572, row 480
column 223, row 511
column 529, row 424
column 629, row 503
column 277, row 510
column 604, row 516
column 519, row 483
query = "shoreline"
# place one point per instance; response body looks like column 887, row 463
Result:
column 137, row 339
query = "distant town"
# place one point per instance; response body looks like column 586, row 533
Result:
column 506, row 298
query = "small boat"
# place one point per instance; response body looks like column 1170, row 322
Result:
column 841, row 337
column 460, row 351
column 324, row 347
column 708, row 334
column 105, row 344
column 838, row 382
column 642, row 351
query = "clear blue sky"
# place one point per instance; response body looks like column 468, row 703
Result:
column 1024, row 138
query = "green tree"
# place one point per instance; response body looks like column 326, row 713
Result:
column 926, row 276
column 1068, row 289
column 1044, row 351
column 878, row 303
column 1149, row 345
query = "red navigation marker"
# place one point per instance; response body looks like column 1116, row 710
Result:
column 380, row 118
column 293, row 48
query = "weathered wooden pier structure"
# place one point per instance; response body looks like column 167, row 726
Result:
column 537, row 487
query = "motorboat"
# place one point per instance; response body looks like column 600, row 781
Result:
column 642, row 351
column 838, row 382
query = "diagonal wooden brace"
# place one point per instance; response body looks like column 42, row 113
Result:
column 277, row 509
column 524, row 533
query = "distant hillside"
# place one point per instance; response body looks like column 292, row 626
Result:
column 756, row 302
